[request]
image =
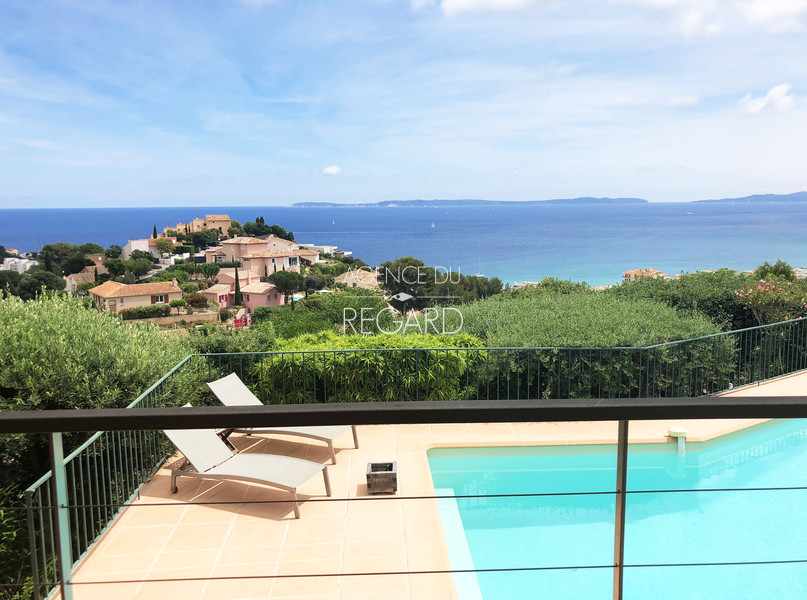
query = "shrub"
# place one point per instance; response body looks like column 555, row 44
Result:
column 196, row 300
column 65, row 355
column 396, row 373
column 225, row 314
column 712, row 294
column 779, row 271
column 324, row 312
column 586, row 341
column 581, row 319
column 774, row 301
column 146, row 312
column 212, row 339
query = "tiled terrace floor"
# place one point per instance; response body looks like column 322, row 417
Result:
column 175, row 540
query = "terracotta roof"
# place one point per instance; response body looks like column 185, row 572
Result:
column 638, row 271
column 113, row 289
column 244, row 240
column 102, row 270
column 267, row 254
column 82, row 277
column 258, row 287
column 218, row 289
column 304, row 252
column 98, row 259
column 273, row 238
column 243, row 273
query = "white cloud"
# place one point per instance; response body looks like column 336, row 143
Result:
column 686, row 100
column 690, row 17
column 778, row 99
column 332, row 170
column 776, row 15
column 455, row 7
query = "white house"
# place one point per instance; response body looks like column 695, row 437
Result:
column 18, row 265
column 132, row 245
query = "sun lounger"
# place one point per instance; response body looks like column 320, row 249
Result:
column 212, row 459
column 231, row 391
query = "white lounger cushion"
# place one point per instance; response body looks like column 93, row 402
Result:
column 281, row 471
column 231, row 391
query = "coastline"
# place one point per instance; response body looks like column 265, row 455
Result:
column 593, row 243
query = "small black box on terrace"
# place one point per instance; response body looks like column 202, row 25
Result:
column 382, row 477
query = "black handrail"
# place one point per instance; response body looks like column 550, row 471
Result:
column 394, row 413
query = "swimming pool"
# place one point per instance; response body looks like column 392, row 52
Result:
column 683, row 527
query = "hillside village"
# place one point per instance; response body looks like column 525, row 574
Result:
column 210, row 266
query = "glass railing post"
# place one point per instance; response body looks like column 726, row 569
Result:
column 619, row 526
column 61, row 516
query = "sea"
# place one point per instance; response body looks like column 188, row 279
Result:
column 591, row 243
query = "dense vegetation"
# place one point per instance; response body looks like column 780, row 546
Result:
column 258, row 227
column 66, row 355
column 580, row 319
column 326, row 312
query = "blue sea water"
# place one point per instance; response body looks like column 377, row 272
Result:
column 592, row 243
column 724, row 511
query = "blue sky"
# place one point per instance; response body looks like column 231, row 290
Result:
column 235, row 102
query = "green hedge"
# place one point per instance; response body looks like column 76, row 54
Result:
column 146, row 312
column 377, row 368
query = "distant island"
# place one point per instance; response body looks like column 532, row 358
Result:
column 762, row 198
column 755, row 199
column 470, row 202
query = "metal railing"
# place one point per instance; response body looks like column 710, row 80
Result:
column 109, row 468
column 102, row 475
column 693, row 367
column 63, row 507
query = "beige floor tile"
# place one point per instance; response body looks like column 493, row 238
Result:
column 378, row 584
column 170, row 590
column 138, row 540
column 241, row 589
column 314, row 530
column 354, row 550
column 98, row 568
column 297, row 552
column 377, row 564
column 399, row 595
column 256, row 533
column 119, row 591
column 306, row 586
column 375, row 505
column 321, row 566
column 198, row 536
column 240, row 556
column 191, row 558
column 139, row 516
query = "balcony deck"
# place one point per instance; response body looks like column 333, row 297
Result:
column 178, row 541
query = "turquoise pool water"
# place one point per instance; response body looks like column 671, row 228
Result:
column 692, row 526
